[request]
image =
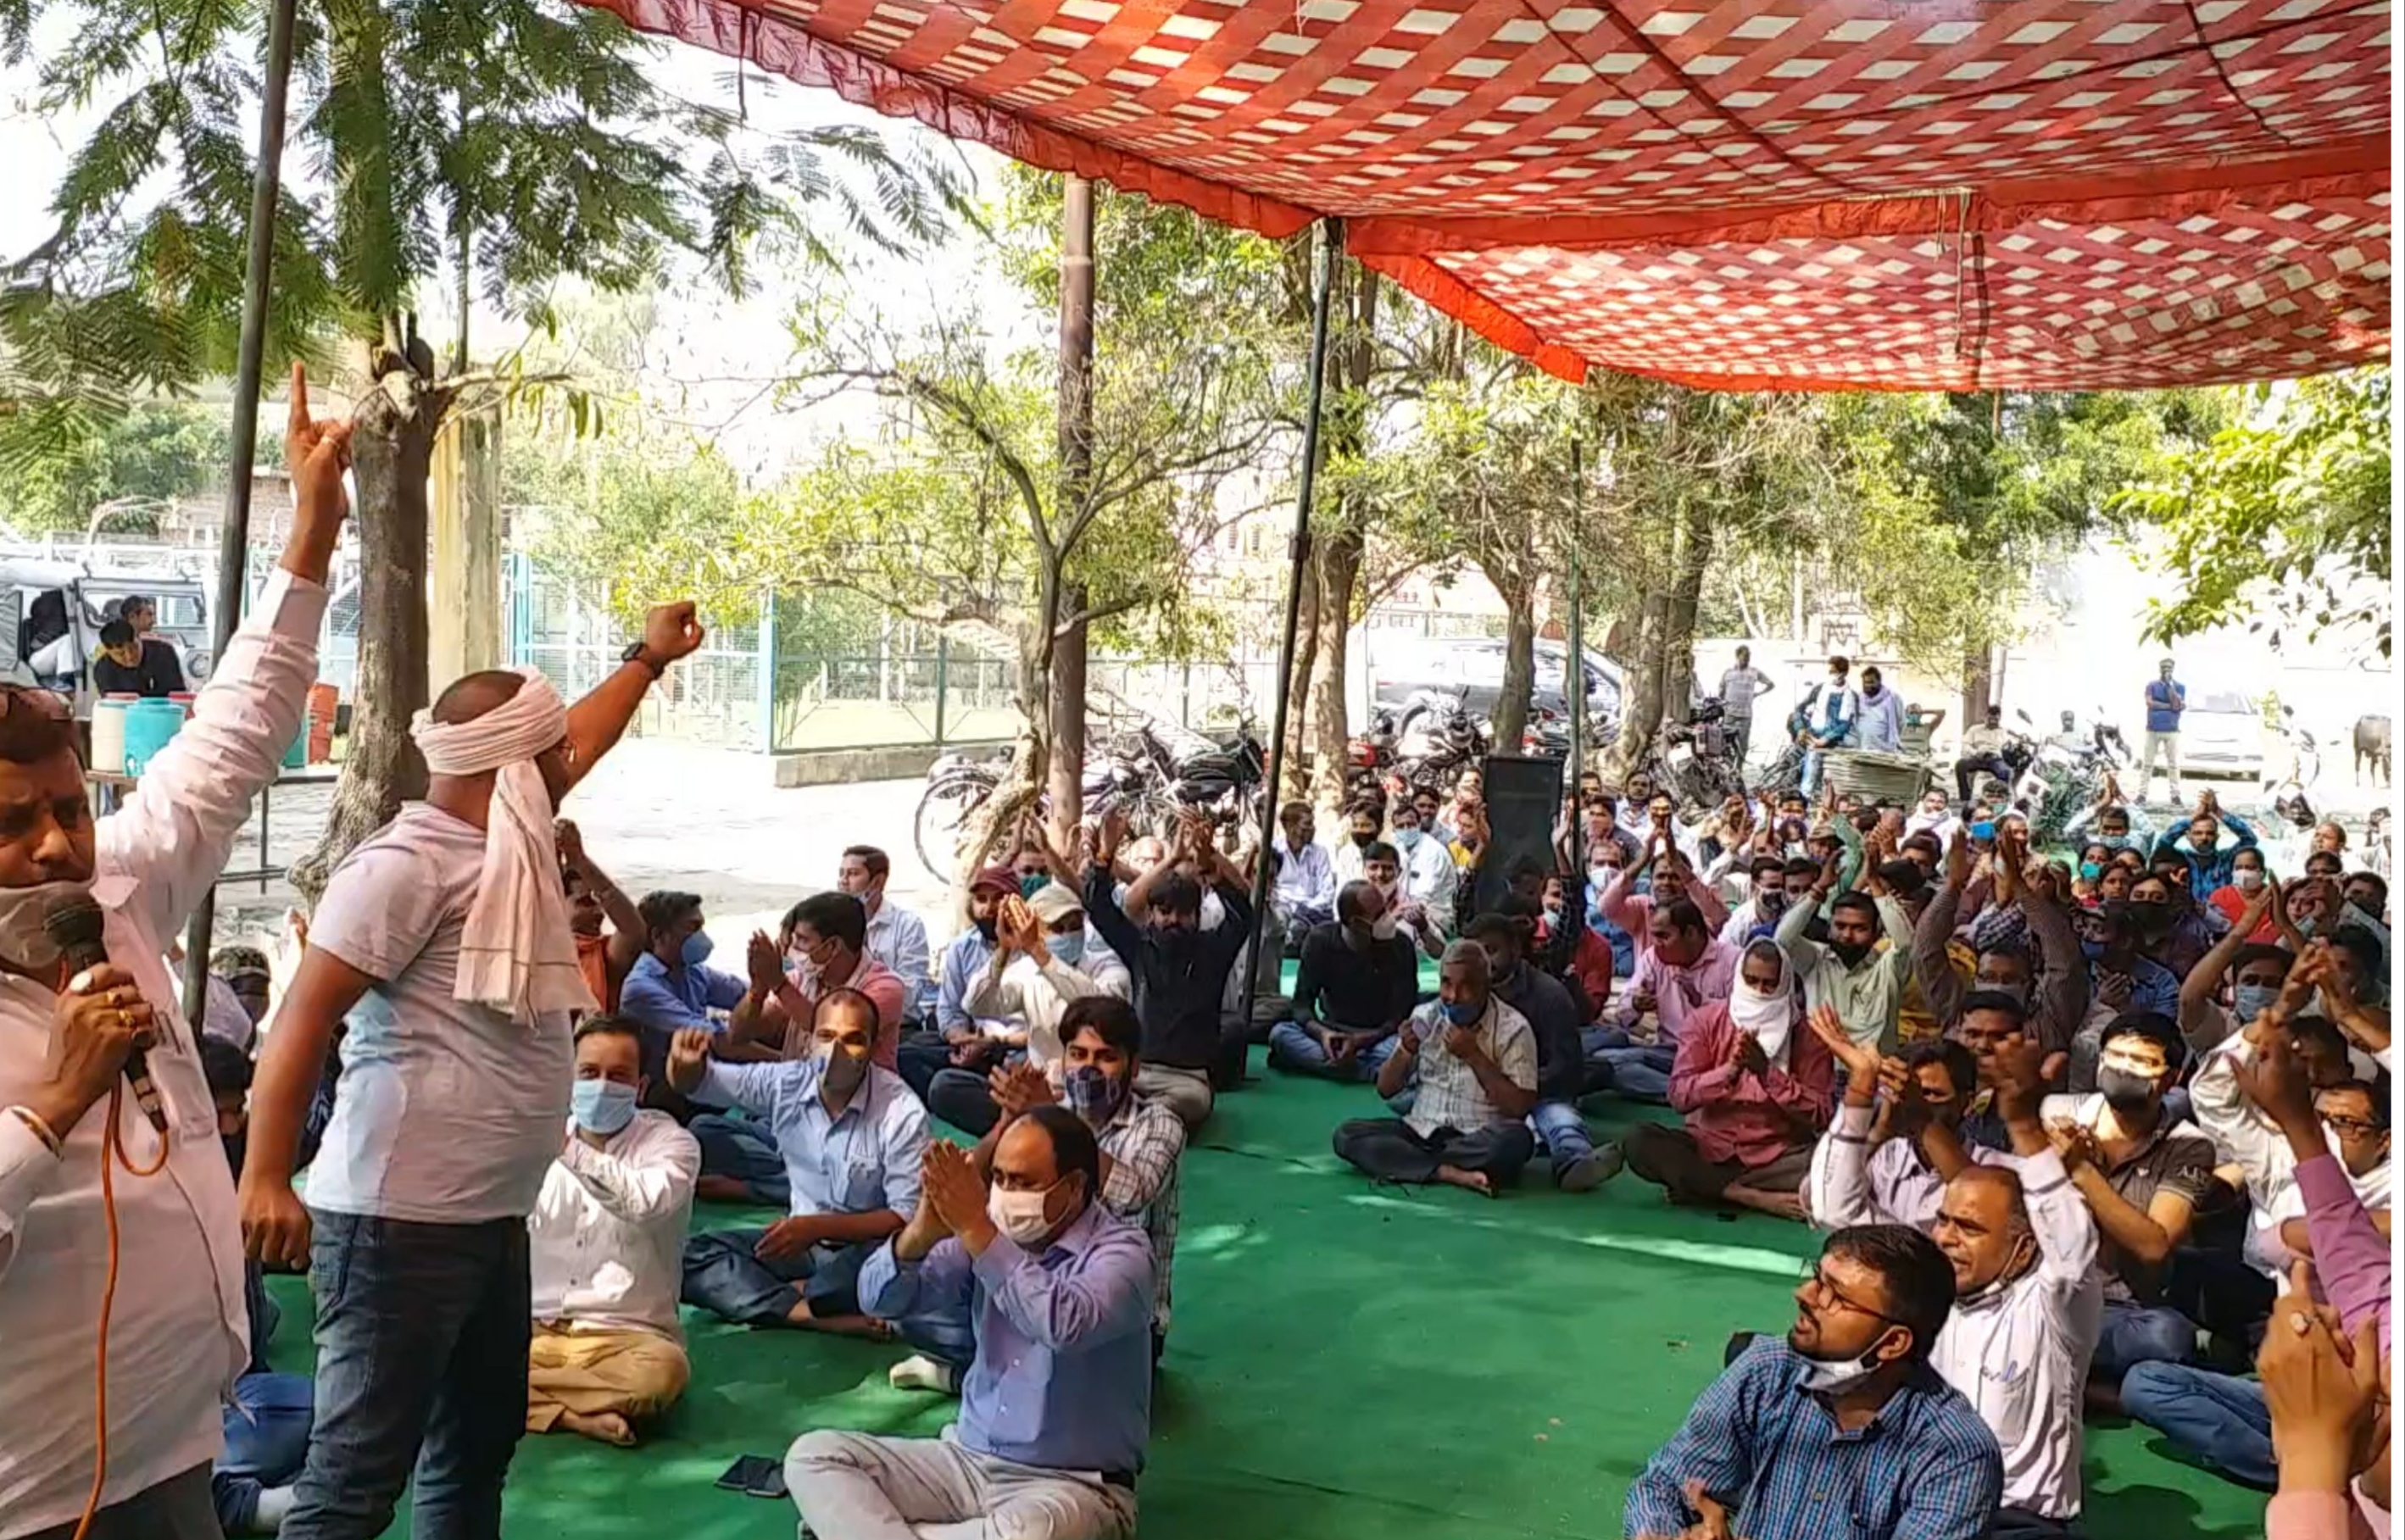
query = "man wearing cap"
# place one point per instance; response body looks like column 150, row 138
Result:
column 1043, row 960
column 960, row 1040
column 237, row 1001
column 444, row 936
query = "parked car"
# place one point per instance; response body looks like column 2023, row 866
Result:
column 2221, row 734
column 90, row 598
column 1471, row 668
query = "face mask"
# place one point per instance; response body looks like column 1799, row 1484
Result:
column 2252, row 1001
column 2124, row 1090
column 1407, row 840
column 2092, row 950
column 1033, row 884
column 1093, row 1093
column 1553, row 909
column 1069, row 946
column 843, row 1072
column 1848, row 955
column 2154, row 919
column 1020, row 1214
column 2090, row 871
column 1829, row 1375
column 697, row 949
column 1461, row 1013
column 601, row 1106
column 1363, row 842
column 24, row 938
column 1771, row 904
column 1602, row 877
column 985, row 926
column 2247, row 881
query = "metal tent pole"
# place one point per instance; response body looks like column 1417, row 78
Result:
column 1574, row 679
column 233, row 540
column 1332, row 251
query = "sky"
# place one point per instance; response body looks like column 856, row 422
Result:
column 714, row 355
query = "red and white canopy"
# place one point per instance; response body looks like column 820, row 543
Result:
column 1795, row 194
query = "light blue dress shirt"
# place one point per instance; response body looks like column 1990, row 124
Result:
column 1062, row 1377
column 862, row 1161
column 670, row 1000
column 964, row 960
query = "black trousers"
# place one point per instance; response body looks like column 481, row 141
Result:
column 1391, row 1150
column 1965, row 769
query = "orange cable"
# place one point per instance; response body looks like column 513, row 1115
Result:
column 114, row 1145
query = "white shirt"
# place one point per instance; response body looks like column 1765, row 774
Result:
column 2020, row 1353
column 447, row 1111
column 1022, row 995
column 1878, row 727
column 1898, row 1187
column 1306, row 879
column 1430, row 875
column 605, row 1243
column 2244, row 1136
column 176, row 1338
column 1738, row 687
column 898, row 939
column 1941, row 824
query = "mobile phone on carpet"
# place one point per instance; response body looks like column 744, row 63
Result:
column 756, row 1475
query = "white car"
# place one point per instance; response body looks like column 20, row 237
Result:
column 2221, row 734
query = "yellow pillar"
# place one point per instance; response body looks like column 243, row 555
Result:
column 463, row 593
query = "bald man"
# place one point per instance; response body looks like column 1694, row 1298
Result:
column 1471, row 1061
column 449, row 932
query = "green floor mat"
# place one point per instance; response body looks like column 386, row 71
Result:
column 1347, row 1361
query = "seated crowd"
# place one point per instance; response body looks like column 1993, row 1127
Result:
column 2089, row 1139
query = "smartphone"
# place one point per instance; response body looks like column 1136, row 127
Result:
column 756, row 1475
column 1983, row 830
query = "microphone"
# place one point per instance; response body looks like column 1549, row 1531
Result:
column 76, row 924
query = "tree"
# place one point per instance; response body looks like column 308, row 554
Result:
column 964, row 513
column 2292, row 499
column 116, row 472
column 511, row 144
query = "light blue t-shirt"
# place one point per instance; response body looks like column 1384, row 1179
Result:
column 448, row 1112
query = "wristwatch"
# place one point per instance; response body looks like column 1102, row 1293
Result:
column 641, row 653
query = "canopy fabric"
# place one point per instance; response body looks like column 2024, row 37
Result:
column 1795, row 194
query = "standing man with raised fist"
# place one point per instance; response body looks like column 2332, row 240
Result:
column 445, row 937
column 176, row 1334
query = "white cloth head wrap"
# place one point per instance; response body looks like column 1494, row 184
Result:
column 517, row 952
column 1770, row 1018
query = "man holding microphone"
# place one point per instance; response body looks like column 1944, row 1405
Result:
column 151, row 1237
column 445, row 938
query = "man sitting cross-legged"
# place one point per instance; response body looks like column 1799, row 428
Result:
column 1140, row 1141
column 1754, row 1087
column 1473, row 1061
column 605, row 1243
column 1843, row 1429
column 1544, row 1002
column 1352, row 988
column 1056, row 1407
column 851, row 1135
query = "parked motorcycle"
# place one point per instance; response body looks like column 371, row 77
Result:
column 1436, row 738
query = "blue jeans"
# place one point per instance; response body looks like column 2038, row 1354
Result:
column 746, row 1151
column 2214, row 1418
column 1640, row 1072
column 1563, row 1132
column 2141, row 1333
column 422, row 1334
column 1293, row 1048
column 266, row 1439
column 722, row 1276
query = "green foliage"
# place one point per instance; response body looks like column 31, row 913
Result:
column 2292, row 503
column 153, row 453
column 522, row 140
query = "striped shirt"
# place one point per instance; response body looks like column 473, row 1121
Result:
column 1144, row 1140
column 1450, row 1095
column 1925, row 1468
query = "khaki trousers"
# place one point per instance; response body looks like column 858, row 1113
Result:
column 635, row 1374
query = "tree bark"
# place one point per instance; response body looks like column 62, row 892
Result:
column 1679, row 619
column 1519, row 664
column 1340, row 577
column 392, row 446
column 1978, row 684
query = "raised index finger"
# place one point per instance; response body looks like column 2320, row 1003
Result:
column 298, row 421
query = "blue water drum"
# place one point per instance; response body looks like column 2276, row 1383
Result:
column 149, row 724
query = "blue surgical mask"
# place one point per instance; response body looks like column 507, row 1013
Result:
column 1407, row 840
column 1069, row 946
column 2092, row 950
column 1461, row 1013
column 2250, row 1001
column 601, row 1106
column 2090, row 869
column 697, row 949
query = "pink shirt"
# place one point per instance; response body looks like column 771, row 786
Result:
column 1634, row 912
column 883, row 987
column 2349, row 1256
column 1736, row 1114
column 1679, row 993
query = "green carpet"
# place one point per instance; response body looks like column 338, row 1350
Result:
column 1347, row 1361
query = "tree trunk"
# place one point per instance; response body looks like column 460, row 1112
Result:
column 1679, row 620
column 1340, row 576
column 1978, row 684
column 392, row 447
column 1519, row 666
column 1641, row 707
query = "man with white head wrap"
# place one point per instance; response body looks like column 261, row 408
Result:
column 444, row 936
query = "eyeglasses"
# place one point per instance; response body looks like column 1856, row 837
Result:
column 2354, row 1128
column 1825, row 1293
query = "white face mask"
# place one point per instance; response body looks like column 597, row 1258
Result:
column 2246, row 881
column 1830, row 1375
column 1069, row 946
column 24, row 916
column 1020, row 1214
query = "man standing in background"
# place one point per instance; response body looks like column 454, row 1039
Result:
column 2166, row 698
column 1740, row 686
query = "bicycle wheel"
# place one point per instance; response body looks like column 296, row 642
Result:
column 943, row 808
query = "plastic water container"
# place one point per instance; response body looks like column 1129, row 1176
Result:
column 108, row 733
column 149, row 725
column 297, row 757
